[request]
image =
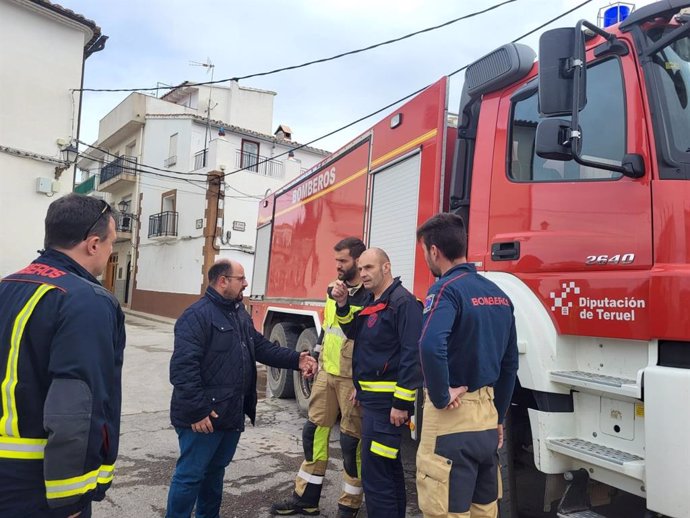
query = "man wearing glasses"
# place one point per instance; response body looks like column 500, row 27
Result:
column 213, row 372
column 62, row 339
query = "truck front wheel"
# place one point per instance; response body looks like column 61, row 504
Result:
column 302, row 386
column 280, row 380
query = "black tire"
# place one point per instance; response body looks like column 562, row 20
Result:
column 280, row 380
column 302, row 387
column 507, row 506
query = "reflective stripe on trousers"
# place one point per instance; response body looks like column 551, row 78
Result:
column 382, row 472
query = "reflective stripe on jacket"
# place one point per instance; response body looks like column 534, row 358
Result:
column 385, row 366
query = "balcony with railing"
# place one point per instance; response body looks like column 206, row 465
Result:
column 200, row 159
column 124, row 223
column 258, row 164
column 122, row 169
column 163, row 224
column 258, row 172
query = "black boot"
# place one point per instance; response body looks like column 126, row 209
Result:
column 294, row 505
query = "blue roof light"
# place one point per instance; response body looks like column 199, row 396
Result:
column 614, row 14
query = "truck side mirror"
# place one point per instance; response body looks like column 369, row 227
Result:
column 560, row 52
column 551, row 141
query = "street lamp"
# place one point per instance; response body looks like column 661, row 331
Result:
column 70, row 153
column 123, row 206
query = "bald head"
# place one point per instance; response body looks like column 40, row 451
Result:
column 375, row 270
column 378, row 253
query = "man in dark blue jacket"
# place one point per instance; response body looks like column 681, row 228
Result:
column 385, row 370
column 213, row 372
column 469, row 358
column 62, row 339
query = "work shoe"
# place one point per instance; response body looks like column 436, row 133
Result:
column 347, row 512
column 294, row 506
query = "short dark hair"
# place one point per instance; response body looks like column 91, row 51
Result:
column 354, row 244
column 447, row 232
column 73, row 218
column 218, row 270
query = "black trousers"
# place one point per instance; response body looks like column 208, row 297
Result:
column 382, row 472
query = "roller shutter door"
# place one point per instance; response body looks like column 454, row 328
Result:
column 395, row 202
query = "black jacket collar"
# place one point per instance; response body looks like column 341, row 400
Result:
column 221, row 301
column 461, row 268
column 386, row 295
column 52, row 257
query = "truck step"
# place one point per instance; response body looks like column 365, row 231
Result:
column 598, row 382
column 581, row 514
column 599, row 455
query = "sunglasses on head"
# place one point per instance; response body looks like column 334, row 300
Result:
column 105, row 208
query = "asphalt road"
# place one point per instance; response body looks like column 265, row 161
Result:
column 267, row 458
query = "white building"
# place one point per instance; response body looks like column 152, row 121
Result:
column 151, row 162
column 44, row 47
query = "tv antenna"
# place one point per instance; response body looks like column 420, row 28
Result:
column 210, row 68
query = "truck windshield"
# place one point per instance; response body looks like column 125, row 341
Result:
column 673, row 79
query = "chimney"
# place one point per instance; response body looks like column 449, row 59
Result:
column 283, row 132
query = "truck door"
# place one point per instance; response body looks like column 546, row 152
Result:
column 576, row 234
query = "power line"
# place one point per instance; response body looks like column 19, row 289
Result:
column 154, row 168
column 308, row 63
column 190, row 173
column 132, row 166
column 523, row 36
column 136, row 167
column 162, row 188
column 363, row 118
column 532, row 31
column 566, row 13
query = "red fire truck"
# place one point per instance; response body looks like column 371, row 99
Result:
column 575, row 186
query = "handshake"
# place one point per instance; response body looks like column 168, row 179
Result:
column 307, row 364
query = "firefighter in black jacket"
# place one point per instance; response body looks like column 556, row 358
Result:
column 61, row 347
column 386, row 374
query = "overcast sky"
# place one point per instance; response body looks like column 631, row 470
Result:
column 154, row 41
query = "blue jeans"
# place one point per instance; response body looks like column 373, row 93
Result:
column 198, row 476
